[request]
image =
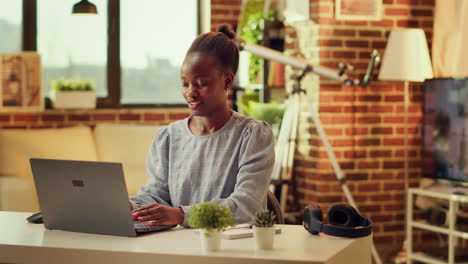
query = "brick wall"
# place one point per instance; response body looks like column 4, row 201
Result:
column 63, row 118
column 366, row 125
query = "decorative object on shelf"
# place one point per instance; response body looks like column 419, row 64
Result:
column 358, row 9
column 211, row 218
column 84, row 7
column 20, row 82
column 406, row 59
column 264, row 229
column 73, row 94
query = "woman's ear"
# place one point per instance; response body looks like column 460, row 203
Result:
column 228, row 81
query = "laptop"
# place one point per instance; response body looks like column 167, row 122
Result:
column 85, row 196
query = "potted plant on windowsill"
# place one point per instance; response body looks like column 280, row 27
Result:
column 264, row 229
column 73, row 94
column 211, row 219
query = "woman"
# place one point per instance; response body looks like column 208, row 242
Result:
column 215, row 154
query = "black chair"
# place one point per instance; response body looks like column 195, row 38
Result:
column 273, row 205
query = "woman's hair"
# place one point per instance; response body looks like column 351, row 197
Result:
column 220, row 44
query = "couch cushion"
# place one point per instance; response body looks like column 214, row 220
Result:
column 128, row 144
column 17, row 146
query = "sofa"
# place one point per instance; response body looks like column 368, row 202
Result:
column 125, row 143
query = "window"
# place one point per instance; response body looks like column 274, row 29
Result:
column 74, row 48
column 152, row 50
column 11, row 20
column 132, row 50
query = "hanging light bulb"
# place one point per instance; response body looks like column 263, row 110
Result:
column 84, row 7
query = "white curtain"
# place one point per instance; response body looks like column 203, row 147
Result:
column 450, row 39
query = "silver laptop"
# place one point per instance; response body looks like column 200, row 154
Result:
column 85, row 196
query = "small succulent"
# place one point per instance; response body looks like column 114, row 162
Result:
column 264, row 218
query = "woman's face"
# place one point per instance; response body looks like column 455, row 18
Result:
column 204, row 84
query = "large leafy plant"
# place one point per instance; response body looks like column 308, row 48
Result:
column 210, row 216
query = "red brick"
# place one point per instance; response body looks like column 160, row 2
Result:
column 357, row 176
column 344, row 54
column 4, row 118
column 344, row 32
column 357, row 43
column 393, row 186
column 177, row 116
column 154, row 117
column 380, row 153
column 368, row 120
column 377, row 44
column 368, row 142
column 370, row 33
column 330, row 109
column 369, row 187
column 26, row 117
column 83, row 117
column 337, row 119
column 393, row 142
column 368, row 164
column 397, row 12
column 382, row 131
column 394, row 207
column 383, row 23
column 357, row 131
column 369, row 208
column 330, row 43
column 393, row 119
column 53, row 117
column 129, row 117
column 104, row 117
column 334, row 132
column 355, row 154
column 408, row 23
column 422, row 12
column 393, row 98
column 382, row 176
column 342, row 142
column 394, row 228
column 219, row 12
column 393, row 164
column 356, row 23
column 370, row 98
column 330, row 199
column 356, row 109
column 381, row 218
column 428, row 2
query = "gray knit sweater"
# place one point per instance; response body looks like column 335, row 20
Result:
column 231, row 166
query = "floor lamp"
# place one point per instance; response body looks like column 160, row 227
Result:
column 406, row 59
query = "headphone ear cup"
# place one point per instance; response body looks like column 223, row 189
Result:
column 343, row 215
column 313, row 218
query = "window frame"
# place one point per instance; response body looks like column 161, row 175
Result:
column 29, row 43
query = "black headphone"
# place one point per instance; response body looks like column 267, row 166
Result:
column 342, row 218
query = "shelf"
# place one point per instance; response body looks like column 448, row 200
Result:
column 443, row 230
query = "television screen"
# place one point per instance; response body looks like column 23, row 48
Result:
column 445, row 153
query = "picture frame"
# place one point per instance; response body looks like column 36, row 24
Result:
column 20, row 82
column 358, row 10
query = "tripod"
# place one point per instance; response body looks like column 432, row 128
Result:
column 286, row 144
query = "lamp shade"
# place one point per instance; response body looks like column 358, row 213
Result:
column 84, row 7
column 406, row 57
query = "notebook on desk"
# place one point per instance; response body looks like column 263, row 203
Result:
column 85, row 196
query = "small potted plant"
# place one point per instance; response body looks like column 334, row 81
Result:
column 264, row 229
column 211, row 219
column 73, row 94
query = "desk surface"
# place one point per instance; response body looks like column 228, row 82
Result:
column 21, row 242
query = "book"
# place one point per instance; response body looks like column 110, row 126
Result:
column 243, row 232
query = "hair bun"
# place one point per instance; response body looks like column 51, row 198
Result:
column 227, row 30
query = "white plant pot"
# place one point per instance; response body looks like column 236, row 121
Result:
column 264, row 237
column 75, row 99
column 210, row 241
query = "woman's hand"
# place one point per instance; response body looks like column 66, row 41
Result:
column 158, row 214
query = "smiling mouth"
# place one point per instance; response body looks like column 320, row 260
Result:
column 194, row 104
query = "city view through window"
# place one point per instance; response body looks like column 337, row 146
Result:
column 153, row 43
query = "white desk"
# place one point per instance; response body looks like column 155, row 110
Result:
column 21, row 242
